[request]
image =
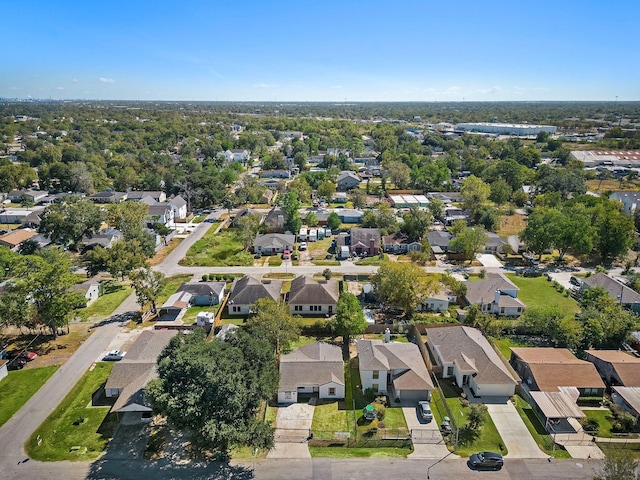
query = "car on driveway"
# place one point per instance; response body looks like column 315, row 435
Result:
column 486, row 461
column 16, row 364
column 302, row 246
column 24, row 354
column 424, row 410
column 114, row 355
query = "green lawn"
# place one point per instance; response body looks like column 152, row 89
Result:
column 504, row 345
column 192, row 313
column 105, row 305
column 537, row 430
column 488, row 439
column 62, row 431
column 326, row 263
column 376, row 260
column 217, row 250
column 19, row 386
column 604, row 419
column 330, row 417
column 198, row 219
column 341, row 452
column 171, row 287
column 538, row 292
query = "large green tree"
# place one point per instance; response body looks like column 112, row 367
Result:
column 290, row 206
column 469, row 242
column 273, row 322
column 349, row 318
column 416, row 223
column 403, row 285
column 475, row 193
column 213, row 390
column 68, row 221
column 148, row 285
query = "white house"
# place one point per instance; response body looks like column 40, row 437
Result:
column 308, row 297
column 465, row 355
column 395, row 369
column 630, row 200
column 236, row 155
column 313, row 369
column 3, row 369
column 91, row 290
column 438, row 302
column 179, row 206
column 247, row 290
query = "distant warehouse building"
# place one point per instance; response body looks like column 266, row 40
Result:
column 521, row 130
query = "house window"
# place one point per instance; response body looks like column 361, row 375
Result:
column 375, row 387
column 502, row 310
column 297, row 308
column 376, row 374
column 519, row 309
column 449, row 371
column 332, row 391
column 236, row 309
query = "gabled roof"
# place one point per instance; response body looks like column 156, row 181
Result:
column 365, row 235
column 178, row 300
column 613, row 288
column 626, row 366
column 471, row 351
column 484, row 291
column 376, row 355
column 553, row 368
column 139, row 194
column 306, row 291
column 159, row 208
column 178, row 202
column 203, row 288
column 16, row 237
column 249, row 289
column 318, row 363
column 347, row 174
column 631, row 395
column 398, row 239
column 440, row 238
column 278, row 240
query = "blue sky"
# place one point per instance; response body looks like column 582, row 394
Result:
column 326, row 50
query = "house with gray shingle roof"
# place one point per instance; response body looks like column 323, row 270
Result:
column 622, row 294
column 247, row 290
column 395, row 369
column 313, row 369
column 495, row 294
column 309, row 297
column 204, row 293
column 466, row 355
column 130, row 375
column 273, row 243
column 347, row 180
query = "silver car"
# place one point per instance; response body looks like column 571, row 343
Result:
column 424, row 410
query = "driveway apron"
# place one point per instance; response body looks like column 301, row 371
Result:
column 514, row 432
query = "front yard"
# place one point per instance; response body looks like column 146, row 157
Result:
column 75, row 430
column 115, row 294
column 19, row 386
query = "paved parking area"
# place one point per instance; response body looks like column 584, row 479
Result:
column 426, row 437
column 293, row 423
column 514, row 432
column 488, row 260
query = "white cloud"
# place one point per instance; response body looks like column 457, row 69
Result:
column 60, row 88
column 264, row 85
column 106, row 80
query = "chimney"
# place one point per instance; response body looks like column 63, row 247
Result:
column 387, row 335
column 497, row 297
column 372, row 247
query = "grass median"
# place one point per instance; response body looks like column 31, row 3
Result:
column 75, row 430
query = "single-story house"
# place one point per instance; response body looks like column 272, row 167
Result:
column 316, row 368
column 616, row 367
column 130, row 375
column 394, row 369
column 204, row 293
column 339, row 197
column 14, row 238
column 466, row 355
column 34, row 196
column 108, row 196
column 623, row 295
column 309, row 297
column 247, row 290
column 273, row 243
column 104, row 238
column 348, row 215
column 15, row 215
column 628, row 398
column 494, row 243
column 275, row 174
column 548, row 369
column 446, row 197
column 347, row 180
column 495, row 294
column 438, row 302
column 137, row 195
column 439, row 241
column 400, row 243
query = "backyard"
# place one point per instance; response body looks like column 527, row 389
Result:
column 539, row 292
column 76, row 430
column 217, row 250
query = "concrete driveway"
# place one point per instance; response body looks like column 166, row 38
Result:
column 293, row 424
column 426, row 437
column 514, row 432
column 488, row 260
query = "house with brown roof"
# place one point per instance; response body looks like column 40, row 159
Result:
column 548, row 369
column 464, row 354
column 310, row 297
column 313, row 369
column 394, row 369
column 175, row 305
column 247, row 290
column 361, row 241
column 616, row 367
column 400, row 243
column 16, row 237
column 130, row 375
column 495, row 294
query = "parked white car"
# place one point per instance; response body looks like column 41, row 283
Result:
column 114, row 355
column 302, row 246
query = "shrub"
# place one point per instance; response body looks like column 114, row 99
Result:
column 205, row 277
column 370, row 394
column 483, row 273
column 624, row 422
column 590, row 425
